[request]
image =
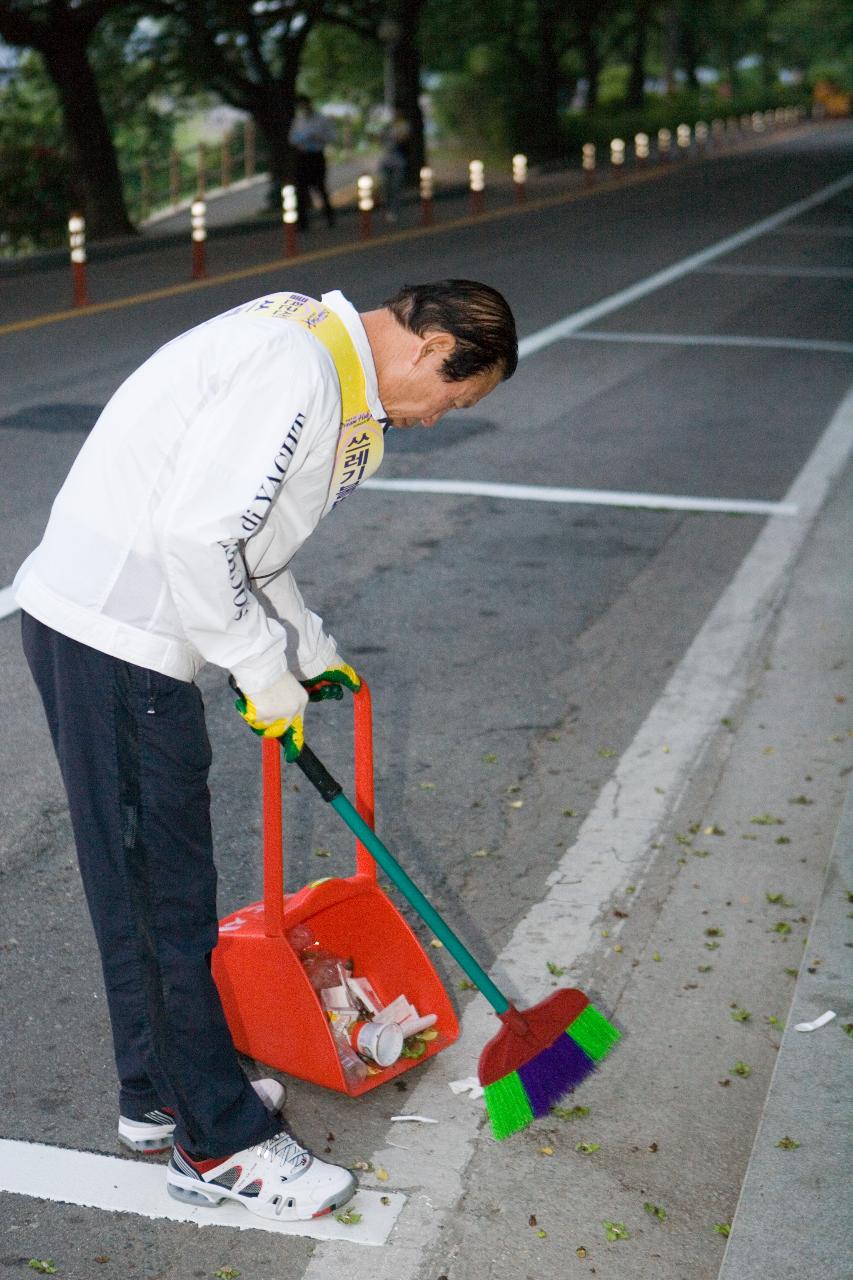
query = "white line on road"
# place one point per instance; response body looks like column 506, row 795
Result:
column 742, row 269
column 612, row 849
column 570, row 324
column 714, row 340
column 129, row 1186
column 589, row 497
column 814, row 231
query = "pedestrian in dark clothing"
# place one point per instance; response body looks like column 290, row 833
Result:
column 309, row 135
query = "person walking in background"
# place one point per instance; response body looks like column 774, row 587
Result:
column 396, row 141
column 310, row 133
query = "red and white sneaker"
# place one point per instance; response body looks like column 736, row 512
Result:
column 276, row 1179
column 154, row 1133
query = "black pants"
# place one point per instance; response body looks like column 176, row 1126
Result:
column 134, row 755
column 311, row 176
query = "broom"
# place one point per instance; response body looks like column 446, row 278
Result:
column 539, row 1054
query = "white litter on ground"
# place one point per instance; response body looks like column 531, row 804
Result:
column 818, row 1022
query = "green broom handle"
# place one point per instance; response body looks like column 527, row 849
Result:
column 331, row 791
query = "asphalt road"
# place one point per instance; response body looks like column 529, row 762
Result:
column 514, row 648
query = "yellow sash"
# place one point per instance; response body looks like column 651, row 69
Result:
column 361, row 443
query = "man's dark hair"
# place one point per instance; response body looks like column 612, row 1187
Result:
column 476, row 315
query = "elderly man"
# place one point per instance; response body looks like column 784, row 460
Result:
column 166, row 548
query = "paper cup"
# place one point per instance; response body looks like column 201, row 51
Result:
column 381, row 1042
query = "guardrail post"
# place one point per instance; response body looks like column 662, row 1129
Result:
column 426, row 185
column 365, row 206
column 77, row 244
column 198, row 220
column 290, row 217
column 476, row 184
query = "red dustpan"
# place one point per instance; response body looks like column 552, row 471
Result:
column 272, row 1010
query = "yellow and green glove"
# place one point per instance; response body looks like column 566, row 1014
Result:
column 276, row 712
column 331, row 683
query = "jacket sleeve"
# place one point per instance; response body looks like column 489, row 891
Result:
column 267, row 433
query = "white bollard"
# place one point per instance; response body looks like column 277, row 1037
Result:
column 641, row 146
column 519, row 176
column 426, row 184
column 664, row 143
column 476, row 184
column 290, row 217
column 364, row 188
column 77, row 246
column 198, row 222
column 682, row 137
column 701, row 133
column 617, row 152
column 588, row 161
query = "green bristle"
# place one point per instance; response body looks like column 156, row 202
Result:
column 595, row 1035
column 507, row 1105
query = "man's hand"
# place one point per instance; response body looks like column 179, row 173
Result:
column 276, row 712
column 330, row 684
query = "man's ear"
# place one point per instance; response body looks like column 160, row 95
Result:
column 436, row 343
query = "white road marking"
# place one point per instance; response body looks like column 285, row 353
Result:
column 612, row 849
column 742, row 269
column 714, row 340
column 579, row 319
column 814, row 231
column 129, row 1186
column 590, row 497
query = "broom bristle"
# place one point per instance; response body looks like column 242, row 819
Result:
column 516, row 1099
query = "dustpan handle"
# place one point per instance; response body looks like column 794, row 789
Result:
column 318, row 775
column 362, row 711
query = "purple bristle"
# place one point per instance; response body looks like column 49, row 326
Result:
column 553, row 1072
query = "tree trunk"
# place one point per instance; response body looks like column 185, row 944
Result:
column 636, row 92
column 406, row 59
column 94, row 165
column 548, row 137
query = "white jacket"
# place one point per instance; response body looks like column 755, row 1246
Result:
column 213, row 459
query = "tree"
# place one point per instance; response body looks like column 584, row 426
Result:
column 60, row 31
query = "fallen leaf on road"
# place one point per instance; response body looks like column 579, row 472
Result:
column 615, row 1230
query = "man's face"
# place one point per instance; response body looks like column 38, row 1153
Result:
column 416, row 394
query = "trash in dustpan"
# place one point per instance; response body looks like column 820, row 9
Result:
column 310, row 981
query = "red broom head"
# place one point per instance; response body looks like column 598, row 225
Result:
column 539, row 1055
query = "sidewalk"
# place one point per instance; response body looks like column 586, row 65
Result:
column 699, row 968
column 791, row 1222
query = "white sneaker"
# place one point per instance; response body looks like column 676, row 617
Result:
column 155, row 1133
column 275, row 1179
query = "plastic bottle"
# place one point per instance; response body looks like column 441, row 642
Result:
column 355, row 1069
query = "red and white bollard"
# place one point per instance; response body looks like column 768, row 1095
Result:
column 427, row 214
column 477, row 185
column 77, row 244
column 290, row 217
column 683, row 136
column 365, row 206
column 701, row 133
column 641, row 148
column 588, row 162
column 617, row 154
column 519, row 177
column 198, row 220
column 664, row 144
